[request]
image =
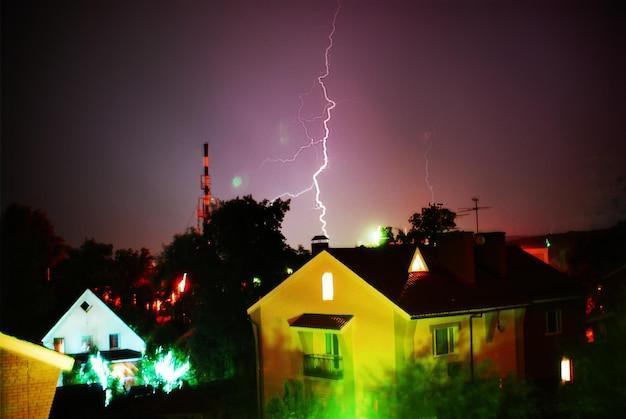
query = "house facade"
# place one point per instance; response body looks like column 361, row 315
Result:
column 350, row 319
column 90, row 325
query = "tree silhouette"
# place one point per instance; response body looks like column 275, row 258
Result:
column 430, row 223
column 30, row 251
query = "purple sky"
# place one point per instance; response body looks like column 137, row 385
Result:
column 105, row 106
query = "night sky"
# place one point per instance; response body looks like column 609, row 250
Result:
column 106, row 104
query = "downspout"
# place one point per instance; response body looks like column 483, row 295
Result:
column 259, row 384
column 471, row 328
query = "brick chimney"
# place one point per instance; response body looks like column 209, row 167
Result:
column 319, row 243
column 454, row 253
column 490, row 252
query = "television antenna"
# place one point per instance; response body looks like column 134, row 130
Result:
column 474, row 209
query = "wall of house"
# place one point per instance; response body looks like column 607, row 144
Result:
column 99, row 322
column 27, row 386
column 367, row 343
column 497, row 340
column 544, row 351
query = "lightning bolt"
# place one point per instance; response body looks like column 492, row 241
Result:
column 326, row 117
column 428, row 138
column 303, row 122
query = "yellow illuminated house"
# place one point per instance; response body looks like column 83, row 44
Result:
column 350, row 318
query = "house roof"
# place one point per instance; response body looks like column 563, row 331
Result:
column 321, row 321
column 77, row 305
column 36, row 352
column 439, row 291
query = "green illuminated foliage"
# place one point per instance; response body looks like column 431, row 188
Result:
column 422, row 390
column 166, row 370
column 295, row 405
column 417, row 391
column 96, row 371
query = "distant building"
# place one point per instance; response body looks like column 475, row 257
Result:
column 28, row 378
column 90, row 325
column 350, row 318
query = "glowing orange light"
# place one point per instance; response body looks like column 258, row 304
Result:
column 183, row 283
column 156, row 306
column 589, row 334
column 540, row 253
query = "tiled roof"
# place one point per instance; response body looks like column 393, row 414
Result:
column 321, row 321
column 439, row 291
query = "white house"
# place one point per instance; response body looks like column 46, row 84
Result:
column 91, row 324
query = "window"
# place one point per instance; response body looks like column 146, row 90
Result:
column 114, row 341
column 566, row 370
column 328, row 363
column 332, row 344
column 86, row 343
column 85, row 306
column 327, row 287
column 444, row 340
column 59, row 345
column 553, row 322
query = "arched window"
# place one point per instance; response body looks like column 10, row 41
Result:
column 328, row 292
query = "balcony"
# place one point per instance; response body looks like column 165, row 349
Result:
column 323, row 366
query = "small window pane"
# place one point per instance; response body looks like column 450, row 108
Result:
column 553, row 321
column 441, row 341
column 114, row 341
column 451, row 339
column 59, row 345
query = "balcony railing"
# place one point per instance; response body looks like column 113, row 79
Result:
column 324, row 366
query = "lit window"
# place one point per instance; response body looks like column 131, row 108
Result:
column 444, row 340
column 418, row 264
column 59, row 345
column 553, row 322
column 327, row 286
column 566, row 370
column 114, row 341
column 86, row 343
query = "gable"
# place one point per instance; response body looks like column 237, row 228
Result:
column 306, row 283
column 90, row 313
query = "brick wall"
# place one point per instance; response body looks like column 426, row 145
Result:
column 27, row 386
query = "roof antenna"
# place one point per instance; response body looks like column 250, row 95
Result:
column 475, row 208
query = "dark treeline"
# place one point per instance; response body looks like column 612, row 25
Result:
column 241, row 256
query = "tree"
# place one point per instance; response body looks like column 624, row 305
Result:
column 242, row 255
column 30, row 250
column 247, row 238
column 431, row 223
column 88, row 266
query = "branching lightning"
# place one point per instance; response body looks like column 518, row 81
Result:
column 428, row 139
column 303, row 122
column 326, row 117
